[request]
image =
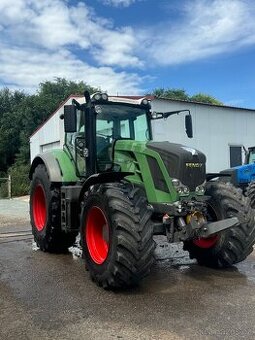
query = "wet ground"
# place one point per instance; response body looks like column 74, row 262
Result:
column 45, row 296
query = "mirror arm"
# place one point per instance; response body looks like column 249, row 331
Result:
column 77, row 104
column 168, row 114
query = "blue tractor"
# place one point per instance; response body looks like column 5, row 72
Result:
column 243, row 176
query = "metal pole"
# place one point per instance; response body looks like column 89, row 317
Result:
column 9, row 186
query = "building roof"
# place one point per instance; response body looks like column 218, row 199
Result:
column 148, row 97
column 205, row 104
column 52, row 114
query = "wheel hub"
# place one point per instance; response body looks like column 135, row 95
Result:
column 97, row 235
column 39, row 208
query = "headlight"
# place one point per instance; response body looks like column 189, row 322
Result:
column 182, row 189
column 98, row 109
column 176, row 183
column 98, row 96
column 200, row 189
column 104, row 96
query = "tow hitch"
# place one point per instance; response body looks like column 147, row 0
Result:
column 197, row 229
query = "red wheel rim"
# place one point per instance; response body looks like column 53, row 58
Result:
column 97, row 235
column 39, row 207
column 208, row 242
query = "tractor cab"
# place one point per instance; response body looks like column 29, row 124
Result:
column 250, row 155
column 93, row 130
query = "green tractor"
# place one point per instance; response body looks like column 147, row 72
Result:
column 118, row 188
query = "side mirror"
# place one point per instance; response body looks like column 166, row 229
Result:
column 70, row 118
column 188, row 125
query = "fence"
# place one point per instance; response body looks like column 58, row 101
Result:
column 14, row 186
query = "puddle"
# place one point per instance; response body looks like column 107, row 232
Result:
column 247, row 268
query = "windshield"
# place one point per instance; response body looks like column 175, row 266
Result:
column 113, row 122
column 251, row 157
column 118, row 121
column 122, row 121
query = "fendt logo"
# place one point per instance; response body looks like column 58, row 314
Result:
column 194, row 165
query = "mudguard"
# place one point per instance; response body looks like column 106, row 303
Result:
column 59, row 166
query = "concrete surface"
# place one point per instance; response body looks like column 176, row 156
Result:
column 17, row 208
column 45, row 296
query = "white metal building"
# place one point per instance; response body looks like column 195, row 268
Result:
column 50, row 135
column 219, row 131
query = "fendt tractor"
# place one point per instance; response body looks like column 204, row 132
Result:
column 118, row 188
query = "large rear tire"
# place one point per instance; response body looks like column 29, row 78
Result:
column 231, row 245
column 45, row 214
column 117, row 235
column 250, row 192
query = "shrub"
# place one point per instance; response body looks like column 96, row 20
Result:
column 20, row 181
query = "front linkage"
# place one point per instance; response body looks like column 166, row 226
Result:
column 189, row 226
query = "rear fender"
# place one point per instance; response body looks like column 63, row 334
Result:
column 59, row 166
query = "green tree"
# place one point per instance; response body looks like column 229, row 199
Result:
column 179, row 94
column 21, row 114
column 10, row 125
column 38, row 107
column 205, row 98
column 51, row 93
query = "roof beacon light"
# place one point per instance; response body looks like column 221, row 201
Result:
column 105, row 96
column 97, row 96
column 145, row 102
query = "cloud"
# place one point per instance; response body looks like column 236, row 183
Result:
column 45, row 39
column 52, row 24
column 206, row 28
column 118, row 3
column 27, row 68
column 41, row 40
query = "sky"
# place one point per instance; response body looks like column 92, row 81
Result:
column 130, row 47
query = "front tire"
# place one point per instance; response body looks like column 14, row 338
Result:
column 45, row 214
column 231, row 245
column 117, row 235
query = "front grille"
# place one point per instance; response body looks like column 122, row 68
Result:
column 189, row 175
column 183, row 163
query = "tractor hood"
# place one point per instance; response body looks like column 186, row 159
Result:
column 182, row 162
